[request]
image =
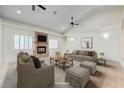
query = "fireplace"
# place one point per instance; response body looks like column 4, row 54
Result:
column 41, row 49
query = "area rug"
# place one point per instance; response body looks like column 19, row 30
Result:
column 10, row 80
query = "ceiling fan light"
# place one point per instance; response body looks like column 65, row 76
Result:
column 72, row 23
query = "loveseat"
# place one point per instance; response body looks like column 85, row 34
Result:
column 28, row 76
column 81, row 55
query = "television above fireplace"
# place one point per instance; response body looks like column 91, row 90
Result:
column 41, row 49
column 41, row 38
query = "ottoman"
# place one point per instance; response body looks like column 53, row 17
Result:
column 89, row 65
column 77, row 76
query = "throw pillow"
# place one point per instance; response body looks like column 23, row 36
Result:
column 36, row 62
column 93, row 53
column 25, row 57
column 78, row 52
column 85, row 53
column 90, row 53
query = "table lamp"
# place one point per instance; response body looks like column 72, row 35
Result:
column 101, row 54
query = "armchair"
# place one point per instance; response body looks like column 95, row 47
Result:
column 30, row 77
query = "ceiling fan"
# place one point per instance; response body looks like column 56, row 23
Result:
column 40, row 6
column 72, row 23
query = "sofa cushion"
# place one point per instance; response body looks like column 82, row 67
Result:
column 25, row 57
column 74, row 52
column 73, row 56
column 36, row 62
column 78, row 56
column 87, row 57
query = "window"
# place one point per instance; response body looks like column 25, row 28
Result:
column 23, row 42
column 16, row 41
column 52, row 43
column 26, row 42
column 30, row 42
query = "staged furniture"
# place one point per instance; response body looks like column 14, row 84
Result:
column 101, row 59
column 28, row 76
column 89, row 65
column 77, row 76
column 81, row 55
column 65, row 62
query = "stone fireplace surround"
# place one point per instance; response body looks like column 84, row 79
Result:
column 41, row 48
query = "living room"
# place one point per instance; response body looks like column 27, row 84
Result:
column 64, row 31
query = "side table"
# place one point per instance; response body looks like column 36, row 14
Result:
column 101, row 59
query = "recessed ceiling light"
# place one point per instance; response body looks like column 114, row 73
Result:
column 72, row 39
column 54, row 12
column 18, row 11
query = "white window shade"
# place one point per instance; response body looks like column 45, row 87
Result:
column 23, row 42
column 16, row 41
column 30, row 42
column 26, row 42
column 52, row 44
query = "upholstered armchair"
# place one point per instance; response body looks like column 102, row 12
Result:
column 30, row 77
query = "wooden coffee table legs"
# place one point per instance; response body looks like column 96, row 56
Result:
column 63, row 62
column 51, row 59
column 63, row 65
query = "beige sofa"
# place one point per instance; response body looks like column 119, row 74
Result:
column 30, row 77
column 81, row 55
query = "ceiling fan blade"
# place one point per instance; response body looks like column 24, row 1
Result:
column 72, row 23
column 33, row 7
column 76, row 24
column 42, row 7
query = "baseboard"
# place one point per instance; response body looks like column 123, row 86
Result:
column 122, row 63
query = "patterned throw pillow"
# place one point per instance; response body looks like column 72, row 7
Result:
column 90, row 53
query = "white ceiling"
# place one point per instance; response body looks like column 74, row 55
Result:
column 48, row 20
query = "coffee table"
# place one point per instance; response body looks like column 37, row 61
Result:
column 65, row 62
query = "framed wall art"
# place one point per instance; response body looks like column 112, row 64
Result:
column 87, row 43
